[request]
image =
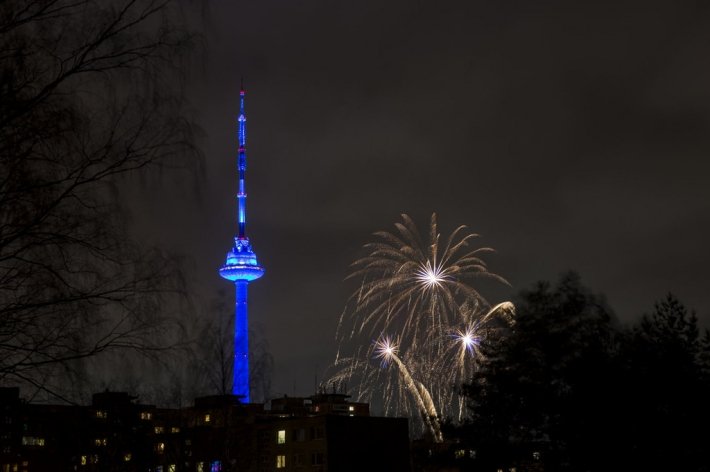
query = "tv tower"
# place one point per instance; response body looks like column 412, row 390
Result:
column 241, row 268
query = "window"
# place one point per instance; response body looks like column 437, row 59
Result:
column 174, row 429
column 216, row 466
column 127, row 457
column 317, row 458
column 146, row 415
column 82, row 460
column 200, row 467
column 159, row 430
column 100, row 442
column 281, row 462
column 351, row 408
column 160, row 447
column 207, row 418
column 298, row 435
column 171, row 468
column 281, row 436
column 317, row 433
column 298, row 460
column 101, row 414
column 32, row 441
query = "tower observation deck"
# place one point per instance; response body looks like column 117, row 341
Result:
column 241, row 267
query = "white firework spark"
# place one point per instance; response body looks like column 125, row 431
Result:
column 423, row 292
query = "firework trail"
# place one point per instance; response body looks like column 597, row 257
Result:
column 386, row 350
column 421, row 290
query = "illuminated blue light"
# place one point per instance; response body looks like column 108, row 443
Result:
column 241, row 267
column 242, row 212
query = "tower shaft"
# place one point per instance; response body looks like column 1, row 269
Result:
column 240, row 370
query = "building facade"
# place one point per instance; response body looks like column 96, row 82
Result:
column 324, row 432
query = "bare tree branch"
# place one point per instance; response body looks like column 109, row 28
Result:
column 87, row 96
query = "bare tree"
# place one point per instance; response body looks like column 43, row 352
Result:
column 89, row 94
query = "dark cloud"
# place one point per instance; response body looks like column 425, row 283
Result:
column 569, row 134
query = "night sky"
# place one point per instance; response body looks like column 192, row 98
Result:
column 570, row 135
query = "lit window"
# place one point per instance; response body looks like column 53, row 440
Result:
column 281, row 437
column 171, row 468
column 32, row 441
column 160, row 447
column 145, row 415
column 159, row 430
column 462, row 453
column 101, row 414
column 351, row 408
column 100, row 442
column 281, row 462
column 82, row 460
column 200, row 467
column 174, row 429
column 536, row 455
column 216, row 466
column 127, row 457
column 207, row 418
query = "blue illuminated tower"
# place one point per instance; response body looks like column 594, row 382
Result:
column 241, row 268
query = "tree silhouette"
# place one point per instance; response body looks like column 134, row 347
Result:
column 665, row 388
column 569, row 389
column 87, row 97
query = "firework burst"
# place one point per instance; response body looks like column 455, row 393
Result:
column 422, row 290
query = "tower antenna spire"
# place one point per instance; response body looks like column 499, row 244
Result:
column 241, row 267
